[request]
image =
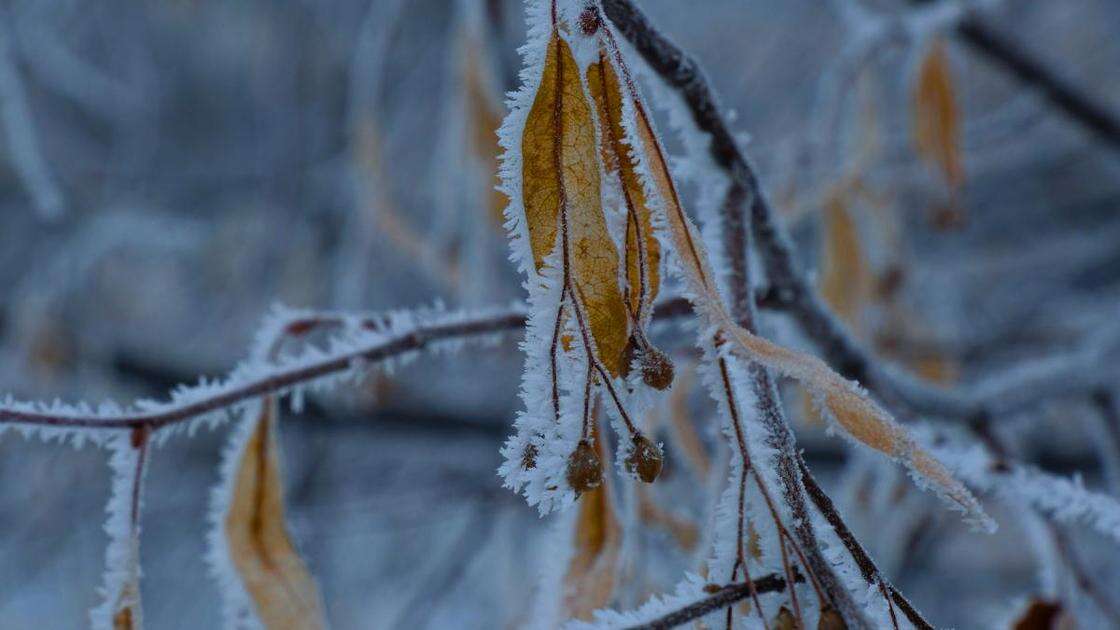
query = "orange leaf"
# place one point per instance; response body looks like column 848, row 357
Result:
column 561, row 195
column 936, row 117
column 274, row 576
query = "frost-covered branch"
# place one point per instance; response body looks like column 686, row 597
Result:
column 399, row 335
column 721, row 598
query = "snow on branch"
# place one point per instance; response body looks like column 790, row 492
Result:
column 394, row 336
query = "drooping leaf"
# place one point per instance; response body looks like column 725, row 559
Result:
column 273, row 574
column 643, row 252
column 846, row 280
column 561, row 190
column 936, row 116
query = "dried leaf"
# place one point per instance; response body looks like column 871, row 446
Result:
column 592, row 573
column 846, row 282
column 561, row 188
column 936, row 117
column 643, row 252
column 274, row 576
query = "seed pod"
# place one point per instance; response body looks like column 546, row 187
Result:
column 831, row 620
column 585, row 471
column 644, row 459
column 529, row 457
column 784, row 620
column 589, row 21
column 657, row 369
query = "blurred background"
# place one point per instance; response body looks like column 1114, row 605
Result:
column 169, row 170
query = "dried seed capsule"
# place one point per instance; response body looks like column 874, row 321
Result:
column 585, row 471
column 831, row 620
column 784, row 620
column 589, row 21
column 529, row 457
column 657, row 369
column 644, row 459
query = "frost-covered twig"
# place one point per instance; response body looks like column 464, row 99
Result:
column 866, row 565
column 378, row 338
column 722, row 598
column 254, row 379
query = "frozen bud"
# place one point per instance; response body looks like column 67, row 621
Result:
column 644, row 459
column 589, row 21
column 529, row 457
column 585, row 471
column 784, row 620
column 657, row 369
column 831, row 620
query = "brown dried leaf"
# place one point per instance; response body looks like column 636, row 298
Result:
column 592, row 573
column 275, row 577
column 643, row 252
column 936, row 117
column 846, row 282
column 561, row 188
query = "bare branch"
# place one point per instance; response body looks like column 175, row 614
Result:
column 722, row 598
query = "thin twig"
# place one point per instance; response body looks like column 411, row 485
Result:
column 726, row 596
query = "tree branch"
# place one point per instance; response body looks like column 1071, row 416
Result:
column 722, row 598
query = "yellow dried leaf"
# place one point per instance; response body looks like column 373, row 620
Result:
column 861, row 417
column 274, row 576
column 846, row 281
column 936, row 117
column 561, row 188
column 591, row 576
column 643, row 252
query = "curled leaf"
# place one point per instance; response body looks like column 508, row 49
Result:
column 273, row 574
column 643, row 252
